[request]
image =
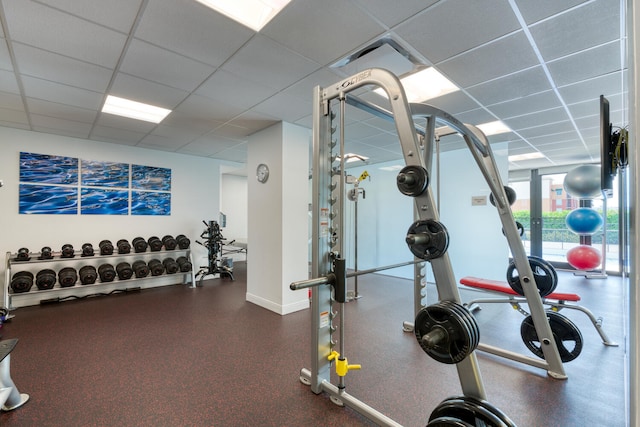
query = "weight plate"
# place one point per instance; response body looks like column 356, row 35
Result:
column 473, row 412
column 544, row 274
column 519, row 227
column 565, row 333
column 443, row 333
column 509, row 192
column 469, row 319
column 427, row 239
column 448, row 421
column 412, row 180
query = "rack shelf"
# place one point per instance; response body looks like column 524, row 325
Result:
column 34, row 296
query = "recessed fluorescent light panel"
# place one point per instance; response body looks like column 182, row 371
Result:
column 494, row 128
column 423, row 85
column 134, row 110
column 254, row 14
column 526, row 156
column 391, row 168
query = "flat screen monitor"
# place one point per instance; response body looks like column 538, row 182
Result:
column 608, row 167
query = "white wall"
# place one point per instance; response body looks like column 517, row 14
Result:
column 194, row 196
column 233, row 203
column 476, row 244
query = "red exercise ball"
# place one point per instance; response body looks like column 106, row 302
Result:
column 584, row 257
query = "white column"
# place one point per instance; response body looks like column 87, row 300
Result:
column 278, row 218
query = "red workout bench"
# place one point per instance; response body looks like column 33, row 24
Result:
column 556, row 301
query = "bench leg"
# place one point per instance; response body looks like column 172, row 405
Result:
column 15, row 399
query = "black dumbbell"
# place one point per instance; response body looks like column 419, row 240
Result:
column 156, row 267
column 22, row 282
column 107, row 273
column 23, row 255
column 184, row 264
column 106, row 247
column 87, row 249
column 139, row 245
column 140, row 268
column 88, row 275
column 46, row 253
column 124, row 270
column 67, row 251
column 183, row 241
column 170, row 265
column 169, row 243
column 123, row 246
column 154, row 243
column 46, row 279
column 67, row 277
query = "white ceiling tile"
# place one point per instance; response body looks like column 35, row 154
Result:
column 179, row 134
column 592, row 88
column 382, row 139
column 191, row 29
column 511, row 87
column 270, row 55
column 475, row 117
column 116, row 14
column 322, row 77
column 51, row 66
column 118, row 122
column 5, row 58
column 526, row 105
column 232, row 155
column 67, row 112
column 454, row 26
column 231, row 89
column 161, row 142
column 552, row 115
column 49, row 29
column 233, row 132
column 392, row 13
column 200, row 122
column 60, row 93
column 360, row 130
column 207, row 145
column 454, row 103
column 116, row 135
column 586, row 64
column 13, row 116
column 202, row 109
column 289, row 108
column 12, row 101
column 496, row 59
column 61, row 126
column 162, row 66
column 253, row 122
column 322, row 31
column 137, row 89
column 8, row 82
column 533, row 11
column 547, row 129
column 591, row 24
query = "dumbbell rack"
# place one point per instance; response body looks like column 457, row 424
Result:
column 328, row 263
column 35, row 296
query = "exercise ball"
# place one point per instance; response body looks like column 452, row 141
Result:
column 584, row 221
column 583, row 182
column 584, row 257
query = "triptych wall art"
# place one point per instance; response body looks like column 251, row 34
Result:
column 66, row 185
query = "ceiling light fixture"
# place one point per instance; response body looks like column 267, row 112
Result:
column 134, row 110
column 350, row 157
column 423, row 85
column 494, row 128
column 254, row 14
column 527, row 156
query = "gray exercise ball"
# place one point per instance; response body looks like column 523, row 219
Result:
column 583, row 182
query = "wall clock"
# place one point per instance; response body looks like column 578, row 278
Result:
column 262, row 173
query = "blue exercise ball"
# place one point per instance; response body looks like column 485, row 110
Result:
column 583, row 182
column 584, row 221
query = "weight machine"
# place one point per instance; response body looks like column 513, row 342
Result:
column 446, row 331
column 214, row 242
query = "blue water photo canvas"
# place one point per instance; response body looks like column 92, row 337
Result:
column 48, row 199
column 48, row 169
column 150, row 178
column 104, row 174
column 150, row 203
column 104, row 201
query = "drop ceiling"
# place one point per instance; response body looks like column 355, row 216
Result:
column 539, row 66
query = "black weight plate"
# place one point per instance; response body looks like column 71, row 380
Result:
column 448, row 421
column 470, row 321
column 519, row 227
column 436, row 235
column 509, row 192
column 495, row 411
column 412, row 180
column 468, row 410
column 458, row 341
column 565, row 333
column 544, row 274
